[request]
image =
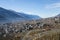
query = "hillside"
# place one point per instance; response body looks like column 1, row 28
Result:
column 12, row 16
column 43, row 29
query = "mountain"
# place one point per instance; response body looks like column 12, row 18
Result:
column 58, row 15
column 10, row 16
column 29, row 17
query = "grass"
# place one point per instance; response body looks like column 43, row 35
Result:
column 48, row 35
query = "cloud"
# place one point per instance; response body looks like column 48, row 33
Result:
column 54, row 5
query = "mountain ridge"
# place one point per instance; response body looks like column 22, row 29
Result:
column 10, row 15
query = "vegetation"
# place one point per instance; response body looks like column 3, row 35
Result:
column 44, row 29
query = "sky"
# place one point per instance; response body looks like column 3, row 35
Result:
column 42, row 8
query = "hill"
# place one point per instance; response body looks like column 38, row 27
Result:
column 12, row 16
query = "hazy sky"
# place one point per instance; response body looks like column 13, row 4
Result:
column 43, row 8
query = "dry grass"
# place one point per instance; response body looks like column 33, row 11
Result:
column 48, row 35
